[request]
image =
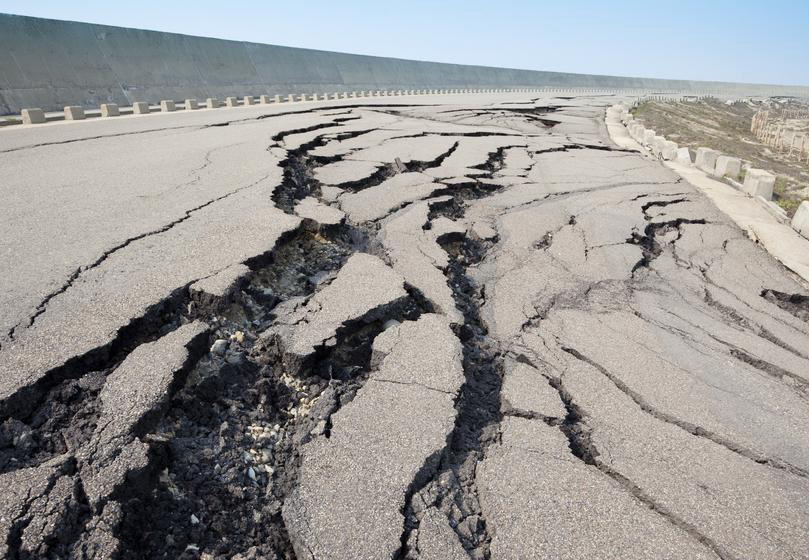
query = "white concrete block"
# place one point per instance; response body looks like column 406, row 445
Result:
column 191, row 105
column 212, row 103
column 758, row 182
column 276, row 99
column 800, row 221
column 684, row 156
column 657, row 145
column 727, row 166
column 706, row 159
column 669, row 150
column 290, row 99
column 167, row 106
column 74, row 113
column 232, row 101
column 302, row 97
column 109, row 110
column 140, row 108
column 248, row 100
column 33, row 116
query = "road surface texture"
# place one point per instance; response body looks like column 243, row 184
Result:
column 416, row 328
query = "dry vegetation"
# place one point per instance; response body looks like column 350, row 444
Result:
column 714, row 124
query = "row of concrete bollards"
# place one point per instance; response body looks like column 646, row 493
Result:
column 75, row 112
column 758, row 183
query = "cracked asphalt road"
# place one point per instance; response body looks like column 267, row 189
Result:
column 415, row 328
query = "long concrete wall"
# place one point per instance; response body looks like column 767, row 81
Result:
column 50, row 64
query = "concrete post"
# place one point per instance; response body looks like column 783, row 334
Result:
column 248, row 100
column 264, row 99
column 140, row 108
column 212, row 103
column 727, row 166
column 109, row 110
column 167, row 106
column 74, row 113
column 33, row 116
column 758, row 182
column 191, row 105
column 800, row 221
column 669, row 150
column 232, row 101
column 657, row 145
column 290, row 98
column 302, row 97
column 706, row 159
column 276, row 98
column 684, row 156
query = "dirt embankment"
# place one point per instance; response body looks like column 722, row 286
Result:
column 713, row 124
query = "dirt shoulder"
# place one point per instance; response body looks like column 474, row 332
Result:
column 713, row 124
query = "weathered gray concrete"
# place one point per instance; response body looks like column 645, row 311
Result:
column 800, row 221
column 706, row 160
column 33, row 116
column 727, row 166
column 758, row 182
column 114, row 64
column 109, row 110
column 140, row 108
column 74, row 113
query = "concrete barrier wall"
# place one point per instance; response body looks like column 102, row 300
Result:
column 50, row 64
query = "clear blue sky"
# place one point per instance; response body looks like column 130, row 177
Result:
column 740, row 41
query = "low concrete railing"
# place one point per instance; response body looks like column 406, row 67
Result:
column 757, row 183
column 107, row 110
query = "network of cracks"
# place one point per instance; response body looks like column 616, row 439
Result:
column 206, row 469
